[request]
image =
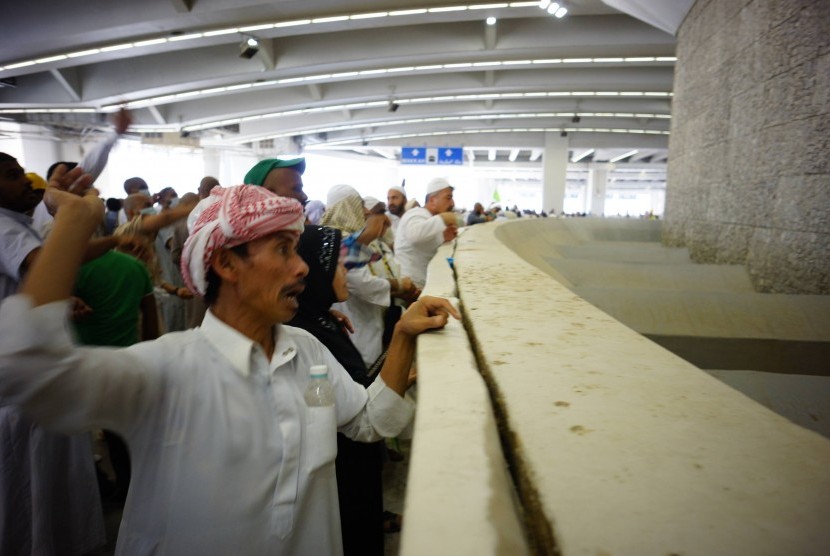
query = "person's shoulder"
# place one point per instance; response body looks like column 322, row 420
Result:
column 415, row 212
column 298, row 333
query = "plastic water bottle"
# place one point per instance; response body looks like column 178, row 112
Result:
column 319, row 392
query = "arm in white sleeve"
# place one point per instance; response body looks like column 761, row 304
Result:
column 96, row 159
column 386, row 415
column 366, row 414
column 364, row 285
column 66, row 387
column 426, row 232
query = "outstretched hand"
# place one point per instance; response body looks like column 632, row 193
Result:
column 425, row 314
column 73, row 187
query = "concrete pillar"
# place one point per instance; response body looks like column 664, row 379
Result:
column 554, row 172
column 597, row 186
column 211, row 159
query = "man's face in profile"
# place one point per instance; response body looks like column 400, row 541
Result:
column 286, row 182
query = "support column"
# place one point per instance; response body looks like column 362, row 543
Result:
column 554, row 172
column 211, row 160
column 597, row 186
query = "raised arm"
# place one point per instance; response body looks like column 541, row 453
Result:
column 153, row 223
column 78, row 212
column 96, row 159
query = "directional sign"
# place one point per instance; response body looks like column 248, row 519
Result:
column 451, row 155
column 413, row 155
column 432, row 155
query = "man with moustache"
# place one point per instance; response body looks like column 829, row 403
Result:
column 227, row 457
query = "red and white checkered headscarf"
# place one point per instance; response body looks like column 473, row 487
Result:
column 231, row 216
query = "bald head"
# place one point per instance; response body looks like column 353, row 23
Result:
column 207, row 183
column 133, row 185
column 134, row 204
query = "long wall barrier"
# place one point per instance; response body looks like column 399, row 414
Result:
column 545, row 426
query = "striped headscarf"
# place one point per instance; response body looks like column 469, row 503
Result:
column 231, row 216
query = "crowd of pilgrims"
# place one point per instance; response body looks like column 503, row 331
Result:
column 131, row 289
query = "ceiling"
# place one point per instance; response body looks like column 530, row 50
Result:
column 367, row 76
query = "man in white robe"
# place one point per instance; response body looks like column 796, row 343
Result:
column 227, row 458
column 423, row 229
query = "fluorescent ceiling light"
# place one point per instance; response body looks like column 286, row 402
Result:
column 583, row 155
column 624, row 155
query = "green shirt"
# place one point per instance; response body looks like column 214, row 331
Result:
column 113, row 285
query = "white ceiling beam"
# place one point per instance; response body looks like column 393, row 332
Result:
column 490, row 78
column 347, row 114
column 535, row 154
column 69, row 80
column 268, row 53
column 514, row 154
column 471, row 154
column 489, row 37
column 491, row 154
column 183, row 6
column 316, row 91
column 157, row 116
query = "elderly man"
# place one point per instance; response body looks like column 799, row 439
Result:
column 283, row 177
column 395, row 202
column 423, row 229
column 227, row 458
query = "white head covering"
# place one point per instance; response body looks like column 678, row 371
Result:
column 340, row 192
column 437, row 184
column 398, row 188
column 370, row 202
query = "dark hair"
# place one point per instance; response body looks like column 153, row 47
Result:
column 7, row 158
column 213, row 281
column 113, row 204
column 53, row 167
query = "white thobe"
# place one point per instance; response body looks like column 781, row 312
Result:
column 226, row 457
column 368, row 300
column 417, row 239
column 49, row 501
column 394, row 220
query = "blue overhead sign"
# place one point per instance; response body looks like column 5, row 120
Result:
column 413, row 155
column 451, row 155
column 432, row 155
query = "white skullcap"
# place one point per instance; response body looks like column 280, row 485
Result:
column 398, row 188
column 370, row 202
column 437, row 184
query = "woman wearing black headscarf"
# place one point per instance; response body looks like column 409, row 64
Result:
column 358, row 465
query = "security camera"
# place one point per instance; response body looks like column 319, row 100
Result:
column 248, row 48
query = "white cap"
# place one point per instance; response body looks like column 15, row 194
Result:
column 340, row 192
column 370, row 202
column 398, row 188
column 437, row 184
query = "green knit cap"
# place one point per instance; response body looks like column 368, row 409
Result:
column 257, row 174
